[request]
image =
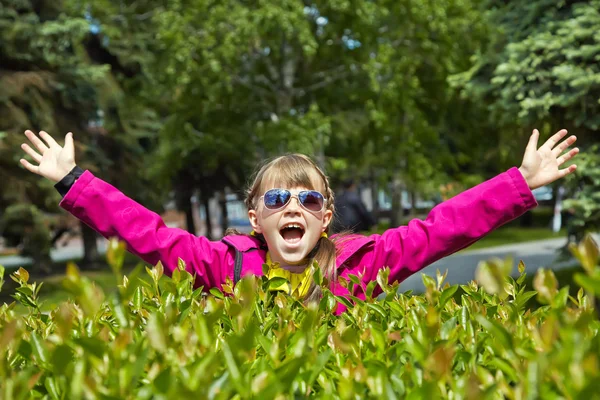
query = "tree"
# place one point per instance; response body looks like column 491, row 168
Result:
column 46, row 84
column 583, row 208
column 540, row 68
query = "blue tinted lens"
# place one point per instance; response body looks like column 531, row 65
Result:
column 276, row 198
column 311, row 200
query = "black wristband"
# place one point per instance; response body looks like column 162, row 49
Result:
column 65, row 183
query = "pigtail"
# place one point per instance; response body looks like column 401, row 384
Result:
column 325, row 257
column 326, row 251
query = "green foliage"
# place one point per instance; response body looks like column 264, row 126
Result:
column 584, row 187
column 164, row 338
column 43, row 83
column 539, row 66
column 23, row 225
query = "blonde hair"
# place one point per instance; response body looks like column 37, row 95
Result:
column 294, row 170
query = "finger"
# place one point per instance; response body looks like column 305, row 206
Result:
column 49, row 139
column 30, row 167
column 550, row 143
column 533, row 140
column 569, row 170
column 34, row 154
column 566, row 157
column 36, row 141
column 564, row 145
column 69, row 145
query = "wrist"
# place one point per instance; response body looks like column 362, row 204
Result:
column 64, row 172
column 69, row 180
column 525, row 175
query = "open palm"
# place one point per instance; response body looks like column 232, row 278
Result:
column 541, row 166
column 53, row 161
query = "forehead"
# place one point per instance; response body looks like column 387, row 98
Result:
column 302, row 178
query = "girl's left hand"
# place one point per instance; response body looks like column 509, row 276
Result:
column 540, row 166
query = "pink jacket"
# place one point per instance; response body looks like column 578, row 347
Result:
column 449, row 227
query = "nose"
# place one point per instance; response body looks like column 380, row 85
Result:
column 293, row 206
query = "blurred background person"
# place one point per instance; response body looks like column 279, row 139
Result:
column 351, row 213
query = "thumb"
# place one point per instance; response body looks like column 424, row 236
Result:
column 69, row 145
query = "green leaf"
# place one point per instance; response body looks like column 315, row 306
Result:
column 276, row 283
column 448, row 327
column 155, row 330
column 318, row 276
column 370, row 288
column 492, row 276
column 39, row 349
column 1, row 277
column 61, row 357
column 217, row 293
column 344, row 301
column 176, row 276
column 52, row 388
column 354, row 279
column 587, row 253
column 93, row 346
column 233, row 368
column 382, row 279
column 560, row 300
column 137, row 298
column 546, row 285
column 521, row 267
column 447, row 295
column 163, row 381
column 115, row 255
column 523, row 298
column 505, row 367
column 591, row 284
column 497, row 331
column 378, row 309
column 428, row 281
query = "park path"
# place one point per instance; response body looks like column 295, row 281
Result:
column 461, row 266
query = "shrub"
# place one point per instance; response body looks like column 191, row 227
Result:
column 162, row 338
column 584, row 187
column 23, row 225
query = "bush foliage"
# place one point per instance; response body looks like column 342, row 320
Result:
column 160, row 337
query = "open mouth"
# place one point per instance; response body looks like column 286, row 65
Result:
column 292, row 233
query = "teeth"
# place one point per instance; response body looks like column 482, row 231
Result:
column 292, row 226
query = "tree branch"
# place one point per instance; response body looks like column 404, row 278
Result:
column 325, row 82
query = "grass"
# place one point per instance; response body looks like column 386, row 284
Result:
column 510, row 235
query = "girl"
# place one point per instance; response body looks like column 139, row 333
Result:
column 290, row 207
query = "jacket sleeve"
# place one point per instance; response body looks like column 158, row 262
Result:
column 452, row 225
column 112, row 214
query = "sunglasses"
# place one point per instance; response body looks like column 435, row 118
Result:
column 276, row 199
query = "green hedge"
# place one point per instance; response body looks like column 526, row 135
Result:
column 165, row 340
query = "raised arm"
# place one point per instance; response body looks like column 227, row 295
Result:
column 112, row 214
column 462, row 220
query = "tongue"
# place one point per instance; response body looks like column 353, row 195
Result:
column 292, row 235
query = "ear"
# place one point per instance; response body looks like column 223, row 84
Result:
column 326, row 220
column 253, row 217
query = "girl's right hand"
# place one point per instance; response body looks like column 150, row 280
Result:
column 55, row 162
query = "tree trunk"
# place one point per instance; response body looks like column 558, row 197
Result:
column 206, row 204
column 190, row 225
column 374, row 195
column 413, row 204
column 397, row 212
column 224, row 215
column 91, row 257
